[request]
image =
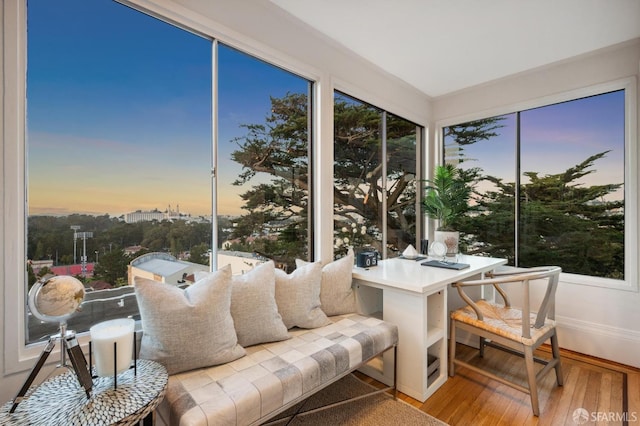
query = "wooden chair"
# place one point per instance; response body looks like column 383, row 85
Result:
column 514, row 330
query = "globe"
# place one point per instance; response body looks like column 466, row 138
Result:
column 56, row 298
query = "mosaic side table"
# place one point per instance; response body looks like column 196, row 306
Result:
column 60, row 400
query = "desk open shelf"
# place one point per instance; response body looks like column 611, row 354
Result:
column 414, row 298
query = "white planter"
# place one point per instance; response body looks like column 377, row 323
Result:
column 449, row 239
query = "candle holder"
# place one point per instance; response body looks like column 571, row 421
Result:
column 113, row 343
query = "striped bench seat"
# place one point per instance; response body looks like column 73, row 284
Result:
column 275, row 376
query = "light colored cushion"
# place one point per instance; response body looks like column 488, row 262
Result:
column 253, row 306
column 336, row 294
column 298, row 297
column 191, row 328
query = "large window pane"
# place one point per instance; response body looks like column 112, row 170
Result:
column 357, row 175
column 119, row 148
column 375, row 163
column 569, row 162
column 572, row 186
column 402, row 143
column 487, row 148
column 263, row 163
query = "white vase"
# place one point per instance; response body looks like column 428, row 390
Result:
column 449, row 239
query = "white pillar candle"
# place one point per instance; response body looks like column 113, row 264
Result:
column 103, row 335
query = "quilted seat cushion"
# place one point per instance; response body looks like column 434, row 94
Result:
column 249, row 390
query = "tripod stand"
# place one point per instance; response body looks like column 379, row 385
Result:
column 70, row 348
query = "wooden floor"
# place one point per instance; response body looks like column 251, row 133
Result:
column 593, row 384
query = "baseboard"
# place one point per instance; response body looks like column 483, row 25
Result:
column 602, row 341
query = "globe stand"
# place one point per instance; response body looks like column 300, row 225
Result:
column 70, row 348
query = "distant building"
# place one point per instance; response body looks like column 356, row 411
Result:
column 39, row 264
column 169, row 214
column 144, row 216
column 75, row 269
column 241, row 262
column 132, row 250
column 165, row 268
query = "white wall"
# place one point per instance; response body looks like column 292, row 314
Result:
column 598, row 321
column 256, row 27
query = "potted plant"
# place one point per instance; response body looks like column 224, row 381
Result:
column 446, row 199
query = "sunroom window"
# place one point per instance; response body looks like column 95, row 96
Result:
column 375, row 178
column 126, row 164
column 551, row 185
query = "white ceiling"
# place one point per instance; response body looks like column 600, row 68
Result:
column 442, row 46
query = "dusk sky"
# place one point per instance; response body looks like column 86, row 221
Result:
column 119, row 116
column 557, row 137
column 119, row 111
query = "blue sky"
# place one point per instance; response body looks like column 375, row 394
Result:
column 119, row 110
column 119, row 113
column 557, row 137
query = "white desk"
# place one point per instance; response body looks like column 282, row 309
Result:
column 414, row 297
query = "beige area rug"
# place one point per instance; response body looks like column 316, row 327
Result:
column 374, row 410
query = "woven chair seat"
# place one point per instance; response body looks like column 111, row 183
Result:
column 505, row 322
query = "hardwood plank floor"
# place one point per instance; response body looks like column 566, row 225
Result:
column 609, row 392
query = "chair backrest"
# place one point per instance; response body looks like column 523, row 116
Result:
column 524, row 276
column 547, row 306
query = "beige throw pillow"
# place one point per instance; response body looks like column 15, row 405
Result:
column 191, row 328
column 336, row 294
column 298, row 297
column 253, row 306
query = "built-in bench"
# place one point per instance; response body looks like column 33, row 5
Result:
column 273, row 377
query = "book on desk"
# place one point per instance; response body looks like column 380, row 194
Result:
column 445, row 264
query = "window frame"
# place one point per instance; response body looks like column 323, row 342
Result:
column 18, row 356
column 419, row 167
column 311, row 146
column 631, row 176
column 14, row 237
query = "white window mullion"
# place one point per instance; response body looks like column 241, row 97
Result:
column 213, row 261
column 383, row 186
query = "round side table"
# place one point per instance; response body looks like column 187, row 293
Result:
column 61, row 401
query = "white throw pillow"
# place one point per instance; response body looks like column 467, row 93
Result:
column 253, row 306
column 298, row 297
column 336, row 294
column 191, row 328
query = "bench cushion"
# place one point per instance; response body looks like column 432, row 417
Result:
column 274, row 376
